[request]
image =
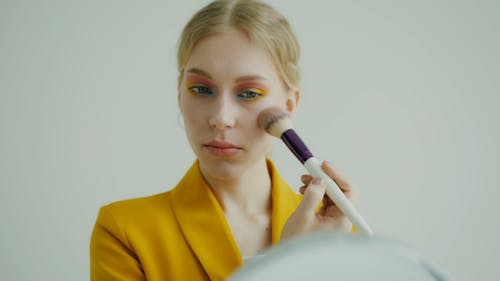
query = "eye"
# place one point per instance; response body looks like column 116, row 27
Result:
column 201, row 90
column 248, row 95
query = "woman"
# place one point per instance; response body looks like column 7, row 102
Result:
column 235, row 58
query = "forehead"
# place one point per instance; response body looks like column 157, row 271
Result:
column 232, row 54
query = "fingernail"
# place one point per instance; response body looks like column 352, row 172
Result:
column 317, row 181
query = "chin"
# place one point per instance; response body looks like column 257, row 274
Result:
column 222, row 169
column 228, row 168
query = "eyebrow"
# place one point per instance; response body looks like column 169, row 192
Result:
column 239, row 79
column 199, row 72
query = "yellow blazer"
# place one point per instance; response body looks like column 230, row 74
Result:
column 181, row 234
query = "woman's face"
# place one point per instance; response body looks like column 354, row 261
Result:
column 227, row 82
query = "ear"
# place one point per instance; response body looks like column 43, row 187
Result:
column 293, row 100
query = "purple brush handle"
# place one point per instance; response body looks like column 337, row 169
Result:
column 296, row 145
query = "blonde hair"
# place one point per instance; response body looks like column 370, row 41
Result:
column 259, row 21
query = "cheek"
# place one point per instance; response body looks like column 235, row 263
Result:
column 189, row 117
column 266, row 144
column 191, row 128
column 193, row 125
column 253, row 132
column 191, row 113
column 277, row 98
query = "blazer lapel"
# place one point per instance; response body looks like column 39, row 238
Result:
column 204, row 225
column 284, row 199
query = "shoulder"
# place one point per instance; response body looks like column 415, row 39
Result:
column 142, row 203
column 136, row 212
column 124, row 232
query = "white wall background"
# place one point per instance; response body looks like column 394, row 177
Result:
column 402, row 96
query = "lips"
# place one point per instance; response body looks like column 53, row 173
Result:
column 221, row 148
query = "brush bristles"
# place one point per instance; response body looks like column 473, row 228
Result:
column 274, row 121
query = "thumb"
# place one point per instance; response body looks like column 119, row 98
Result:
column 313, row 196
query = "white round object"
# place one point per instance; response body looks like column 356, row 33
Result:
column 333, row 256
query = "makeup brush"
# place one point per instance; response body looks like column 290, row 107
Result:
column 277, row 123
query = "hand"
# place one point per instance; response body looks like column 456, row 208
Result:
column 307, row 217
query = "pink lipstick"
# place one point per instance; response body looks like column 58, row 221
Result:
column 221, row 148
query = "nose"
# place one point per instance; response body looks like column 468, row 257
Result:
column 223, row 115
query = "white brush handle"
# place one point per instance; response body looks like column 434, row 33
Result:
column 313, row 166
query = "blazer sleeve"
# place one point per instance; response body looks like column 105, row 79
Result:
column 111, row 257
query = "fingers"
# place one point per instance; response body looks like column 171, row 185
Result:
column 343, row 183
column 326, row 200
column 334, row 173
column 306, row 179
column 308, row 216
column 302, row 189
column 313, row 195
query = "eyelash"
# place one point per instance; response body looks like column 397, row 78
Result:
column 244, row 95
column 196, row 90
column 206, row 91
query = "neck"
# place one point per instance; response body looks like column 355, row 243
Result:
column 249, row 192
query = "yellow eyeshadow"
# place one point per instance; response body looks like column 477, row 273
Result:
column 258, row 91
column 190, row 85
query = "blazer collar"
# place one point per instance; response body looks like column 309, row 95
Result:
column 204, row 225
